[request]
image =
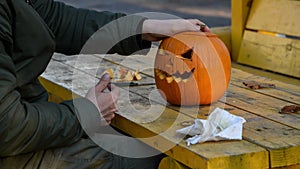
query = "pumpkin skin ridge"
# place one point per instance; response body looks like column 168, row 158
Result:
column 204, row 82
column 222, row 61
column 225, row 63
column 220, row 47
column 217, row 86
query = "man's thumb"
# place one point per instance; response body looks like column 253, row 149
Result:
column 103, row 83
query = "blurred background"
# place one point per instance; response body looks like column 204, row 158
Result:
column 212, row 12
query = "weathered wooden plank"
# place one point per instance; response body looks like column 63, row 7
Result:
column 95, row 65
column 232, row 149
column 282, row 142
column 145, row 63
column 271, row 53
column 261, row 105
column 51, row 88
column 170, row 163
column 283, row 91
column 288, row 157
column 239, row 15
column 297, row 166
column 278, row 16
column 265, row 73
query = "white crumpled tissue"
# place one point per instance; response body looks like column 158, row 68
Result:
column 220, row 125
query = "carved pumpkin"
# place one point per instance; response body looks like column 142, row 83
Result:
column 192, row 68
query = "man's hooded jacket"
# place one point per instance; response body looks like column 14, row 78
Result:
column 30, row 32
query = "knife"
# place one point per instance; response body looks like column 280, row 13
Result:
column 124, row 84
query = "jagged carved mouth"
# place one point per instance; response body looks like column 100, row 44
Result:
column 178, row 77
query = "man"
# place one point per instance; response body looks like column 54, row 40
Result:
column 35, row 133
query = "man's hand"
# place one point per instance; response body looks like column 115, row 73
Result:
column 155, row 30
column 105, row 96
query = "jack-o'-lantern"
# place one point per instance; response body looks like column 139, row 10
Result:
column 192, row 68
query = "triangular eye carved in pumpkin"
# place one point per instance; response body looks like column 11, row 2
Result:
column 188, row 54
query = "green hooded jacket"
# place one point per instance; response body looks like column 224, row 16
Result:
column 30, row 32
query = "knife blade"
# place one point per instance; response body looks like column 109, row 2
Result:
column 124, row 84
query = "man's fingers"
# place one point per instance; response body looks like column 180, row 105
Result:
column 109, row 116
column 115, row 92
column 103, row 83
column 201, row 26
column 110, row 110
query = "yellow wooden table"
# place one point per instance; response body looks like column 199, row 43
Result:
column 270, row 139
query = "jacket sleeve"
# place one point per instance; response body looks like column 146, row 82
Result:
column 73, row 27
column 29, row 126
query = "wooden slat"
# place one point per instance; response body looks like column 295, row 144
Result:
column 279, row 16
column 297, row 166
column 170, row 163
column 282, row 142
column 267, row 74
column 239, row 15
column 95, row 65
column 283, row 91
column 261, row 105
column 271, row 53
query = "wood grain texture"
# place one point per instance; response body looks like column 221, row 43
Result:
column 278, row 16
column 170, row 163
column 283, row 91
column 271, row 53
column 239, row 16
